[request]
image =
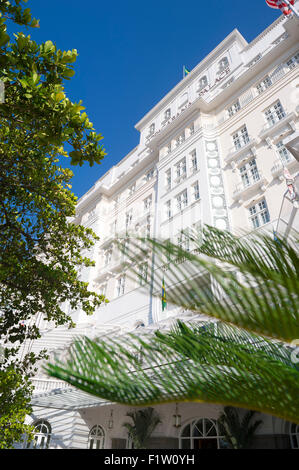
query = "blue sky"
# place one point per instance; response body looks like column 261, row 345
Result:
column 131, row 53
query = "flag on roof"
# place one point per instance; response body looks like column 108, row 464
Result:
column 186, row 71
column 282, row 5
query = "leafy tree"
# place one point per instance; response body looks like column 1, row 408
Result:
column 15, row 392
column 144, row 423
column 244, row 359
column 40, row 248
column 237, row 432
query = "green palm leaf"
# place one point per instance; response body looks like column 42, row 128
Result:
column 144, row 423
column 189, row 363
column 252, row 282
column 238, row 433
column 251, row 285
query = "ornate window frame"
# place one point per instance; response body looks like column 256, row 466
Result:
column 42, row 435
column 96, row 436
column 200, row 429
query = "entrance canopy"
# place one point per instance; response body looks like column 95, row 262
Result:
column 67, row 399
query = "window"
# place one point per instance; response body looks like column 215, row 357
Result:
column 274, row 114
column 120, row 287
column 223, row 64
column 181, row 170
column 147, row 203
column 201, row 434
column 183, row 240
column 107, row 257
column 202, row 83
column 191, row 129
column 168, row 210
column 264, row 84
column 168, row 148
column 149, row 175
column 180, row 139
column 129, row 218
column 42, row 435
column 234, row 108
column 259, row 214
column 168, row 180
column 249, row 173
column 152, row 129
column 291, row 63
column 195, row 189
column 142, row 275
column 167, row 114
column 240, row 138
column 283, row 153
column 182, row 200
column 148, row 226
column 96, row 438
column 294, row 435
column 132, row 189
column 196, row 233
column 193, row 162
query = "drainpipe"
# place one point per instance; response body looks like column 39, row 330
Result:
column 150, row 317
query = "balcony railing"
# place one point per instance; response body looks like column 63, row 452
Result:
column 277, row 122
column 180, row 178
column 235, row 152
column 44, row 385
column 279, row 165
column 241, row 189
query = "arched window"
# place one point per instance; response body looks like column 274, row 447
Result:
column 294, row 435
column 96, row 438
column 223, row 64
column 42, row 435
column 201, row 434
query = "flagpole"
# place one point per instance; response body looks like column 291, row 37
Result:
column 292, row 8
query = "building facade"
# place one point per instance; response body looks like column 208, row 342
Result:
column 210, row 152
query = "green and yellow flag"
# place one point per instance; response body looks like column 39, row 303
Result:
column 186, row 71
column 164, row 303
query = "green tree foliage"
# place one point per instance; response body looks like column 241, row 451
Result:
column 40, row 249
column 244, row 359
column 237, row 432
column 144, row 423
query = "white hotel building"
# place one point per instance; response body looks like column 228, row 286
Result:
column 210, row 152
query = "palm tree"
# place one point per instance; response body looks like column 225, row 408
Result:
column 250, row 287
column 144, row 423
column 237, row 433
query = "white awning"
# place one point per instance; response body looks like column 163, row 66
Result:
column 67, row 399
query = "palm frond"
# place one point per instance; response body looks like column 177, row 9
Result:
column 251, row 285
column 238, row 434
column 217, row 364
column 144, row 423
column 251, row 282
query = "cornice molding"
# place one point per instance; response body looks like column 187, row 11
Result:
column 234, row 35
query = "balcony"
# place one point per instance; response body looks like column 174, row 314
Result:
column 271, row 128
column 279, row 165
column 234, row 152
column 180, row 178
column 243, row 190
column 45, row 385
